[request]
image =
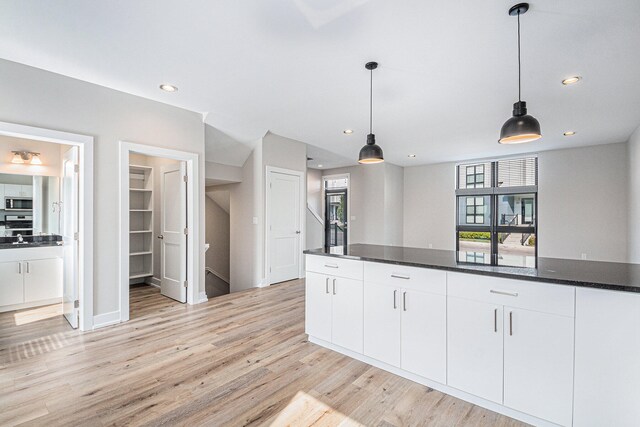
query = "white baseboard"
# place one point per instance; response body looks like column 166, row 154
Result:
column 202, row 297
column 153, row 281
column 492, row 406
column 106, row 319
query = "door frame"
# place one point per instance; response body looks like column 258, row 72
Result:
column 344, row 191
column 267, row 216
column 324, row 208
column 85, row 206
column 195, row 256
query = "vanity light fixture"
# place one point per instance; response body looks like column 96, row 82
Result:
column 521, row 127
column 571, row 80
column 411, row 156
column 569, row 133
column 168, row 88
column 371, row 152
column 22, row 157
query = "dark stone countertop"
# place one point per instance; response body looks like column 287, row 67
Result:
column 30, row 242
column 591, row 274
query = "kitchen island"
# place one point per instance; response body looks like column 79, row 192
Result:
column 554, row 345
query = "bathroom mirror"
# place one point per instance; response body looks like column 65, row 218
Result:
column 30, row 205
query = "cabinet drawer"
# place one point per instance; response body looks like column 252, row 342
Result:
column 333, row 266
column 543, row 297
column 413, row 278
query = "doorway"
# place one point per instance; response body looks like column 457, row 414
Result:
column 159, row 228
column 336, row 213
column 61, row 193
column 284, row 225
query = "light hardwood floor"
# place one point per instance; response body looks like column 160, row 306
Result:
column 240, row 359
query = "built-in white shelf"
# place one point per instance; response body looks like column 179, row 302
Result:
column 141, row 221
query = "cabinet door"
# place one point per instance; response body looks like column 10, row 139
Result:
column 318, row 306
column 42, row 279
column 538, row 364
column 12, row 190
column 382, row 309
column 26, row 190
column 474, row 362
column 11, row 285
column 347, row 306
column 424, row 335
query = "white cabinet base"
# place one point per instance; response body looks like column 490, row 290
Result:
column 34, row 304
column 436, row 386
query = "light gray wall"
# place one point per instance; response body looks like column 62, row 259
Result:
column 582, row 204
column 314, row 237
column 376, row 203
column 39, row 98
column 282, row 152
column 429, row 206
column 217, row 234
column 633, row 164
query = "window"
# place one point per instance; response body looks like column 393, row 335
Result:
column 497, row 212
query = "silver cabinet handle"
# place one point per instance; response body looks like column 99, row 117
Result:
column 331, row 265
column 400, row 276
column 19, row 268
column 395, row 291
column 326, row 286
column 495, row 320
column 334, row 286
column 511, row 323
column 404, row 301
column 511, row 294
column 28, row 267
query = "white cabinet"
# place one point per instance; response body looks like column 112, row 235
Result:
column 382, row 323
column 607, row 383
column 538, row 364
column 11, row 285
column 42, row 279
column 423, row 334
column 15, row 190
column 318, row 306
column 334, row 310
column 507, row 345
column 405, row 318
column 474, row 352
column 2, row 206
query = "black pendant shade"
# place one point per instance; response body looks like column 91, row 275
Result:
column 371, row 152
column 521, row 127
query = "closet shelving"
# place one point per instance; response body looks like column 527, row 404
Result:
column 140, row 222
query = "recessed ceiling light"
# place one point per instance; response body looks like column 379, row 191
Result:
column 347, row 131
column 571, row 80
column 319, row 166
column 411, row 155
column 569, row 133
column 168, row 88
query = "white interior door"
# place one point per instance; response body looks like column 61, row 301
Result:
column 173, row 224
column 69, row 212
column 284, row 229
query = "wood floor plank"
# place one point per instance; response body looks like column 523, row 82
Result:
column 239, row 359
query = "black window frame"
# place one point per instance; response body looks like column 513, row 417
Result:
column 494, row 192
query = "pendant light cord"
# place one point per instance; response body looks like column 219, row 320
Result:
column 371, row 103
column 519, row 65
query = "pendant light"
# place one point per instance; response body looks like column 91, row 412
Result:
column 371, row 153
column 521, row 127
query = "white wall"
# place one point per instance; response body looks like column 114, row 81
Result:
column 50, row 155
column 633, row 165
column 582, row 204
column 393, row 204
column 39, row 98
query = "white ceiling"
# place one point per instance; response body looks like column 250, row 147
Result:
column 446, row 82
